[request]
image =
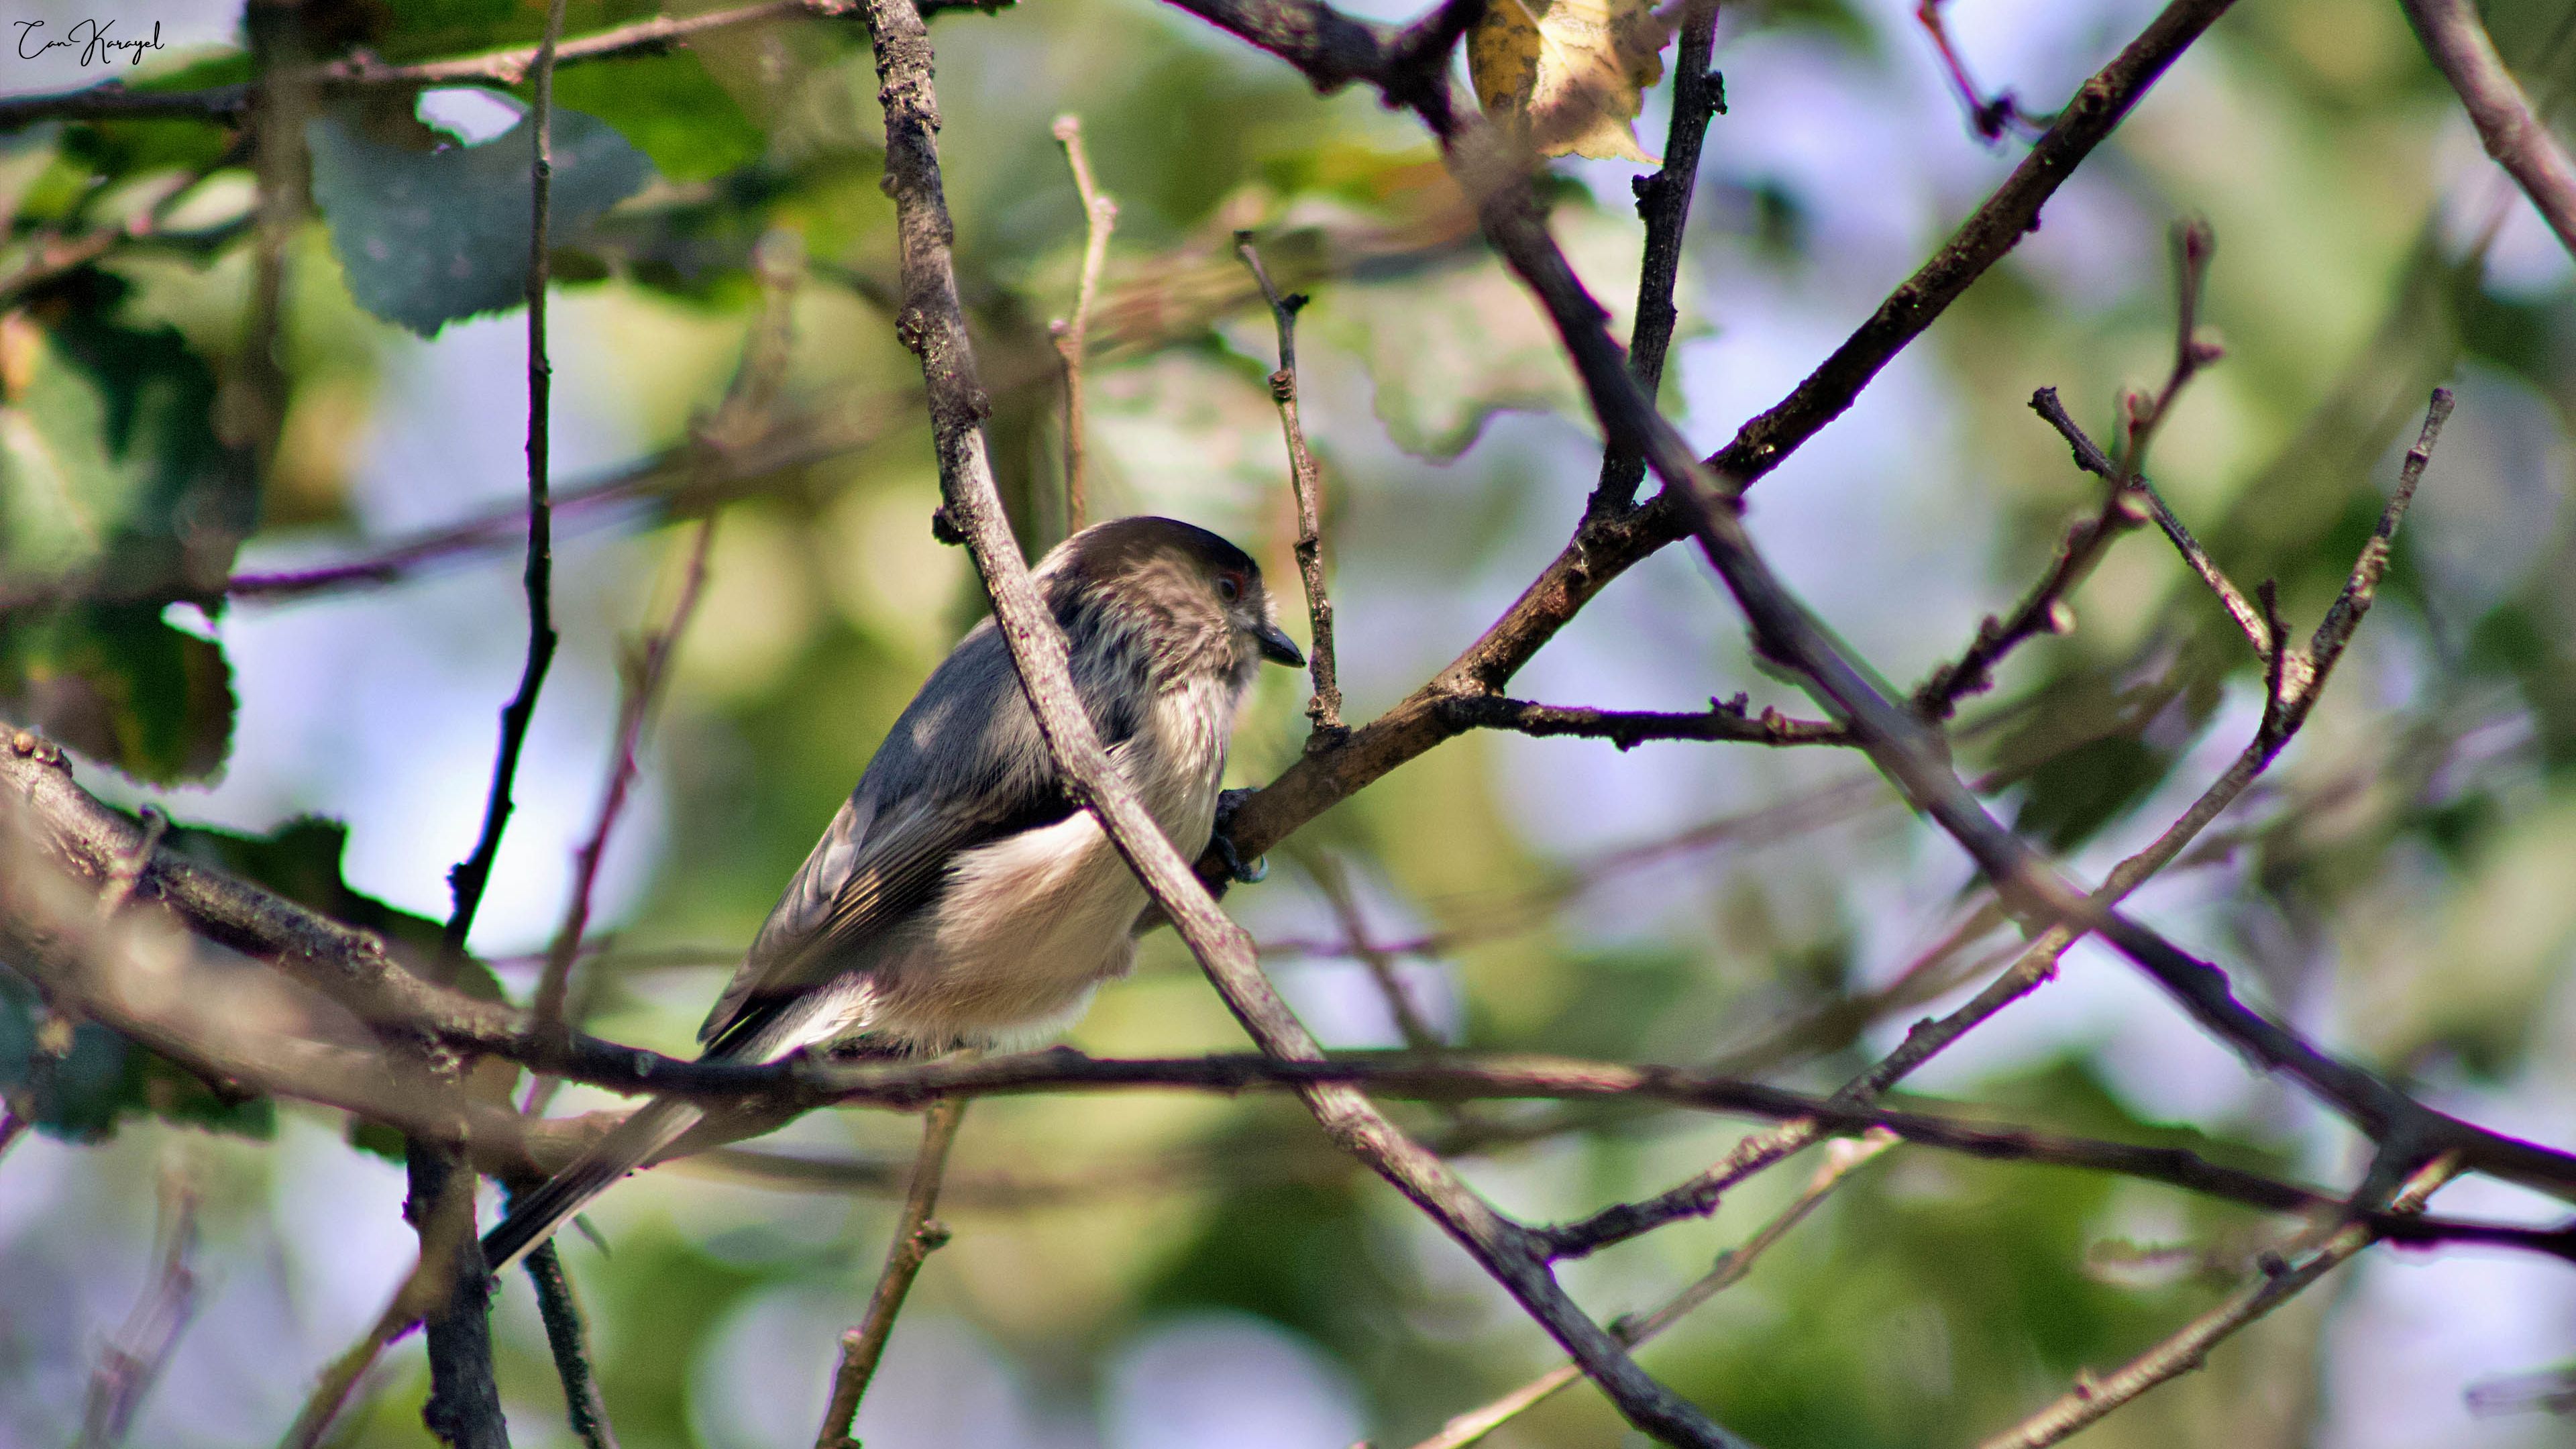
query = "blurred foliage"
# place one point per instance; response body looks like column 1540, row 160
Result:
column 426, row 235
column 77, row 1079
column 2400, row 878
column 117, row 484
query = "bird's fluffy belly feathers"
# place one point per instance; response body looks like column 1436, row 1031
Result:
column 1034, row 923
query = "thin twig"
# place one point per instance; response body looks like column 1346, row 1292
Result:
column 916, row 1236
column 2519, row 141
column 1990, row 117
column 1487, row 917
column 464, row 1407
column 1730, row 1269
column 1726, row 721
column 446, row 1225
column 2279, row 1279
column 1072, row 339
column 1335, row 885
column 586, row 1411
column 1664, row 203
column 132, row 1362
column 2125, row 505
column 1324, row 709
column 643, row 693
column 2090, row 457
column 470, row 877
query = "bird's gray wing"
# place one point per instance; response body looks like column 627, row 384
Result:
column 963, row 767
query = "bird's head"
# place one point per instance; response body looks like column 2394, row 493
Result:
column 1193, row 602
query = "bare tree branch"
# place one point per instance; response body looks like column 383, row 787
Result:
column 2090, row 457
column 1072, row 339
column 1333, row 882
column 131, row 1363
column 2282, row 717
column 2128, row 503
column 1726, row 720
column 586, row 1411
column 2519, row 140
column 1664, row 203
column 916, row 1236
column 135, row 974
column 2281, row 1277
column 464, row 1406
column 643, row 690
column 1731, row 1267
column 1324, row 709
column 1897, row 740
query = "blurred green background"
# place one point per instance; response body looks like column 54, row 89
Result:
column 1134, row 1271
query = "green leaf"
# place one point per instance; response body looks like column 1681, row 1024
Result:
column 427, row 237
column 671, row 109
column 300, row 860
column 114, row 488
column 118, row 684
column 1451, row 345
column 108, row 454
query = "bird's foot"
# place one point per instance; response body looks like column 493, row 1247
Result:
column 1228, row 802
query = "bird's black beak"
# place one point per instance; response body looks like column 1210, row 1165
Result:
column 1277, row 647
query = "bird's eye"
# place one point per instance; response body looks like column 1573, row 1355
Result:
column 1228, row 587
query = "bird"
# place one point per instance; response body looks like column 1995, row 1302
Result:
column 960, row 899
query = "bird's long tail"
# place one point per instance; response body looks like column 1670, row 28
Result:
column 535, row 1215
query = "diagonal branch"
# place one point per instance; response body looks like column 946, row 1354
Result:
column 1731, row 1268
column 560, row 1311
column 2089, row 116
column 2279, row 1280
column 132, row 1362
column 2519, row 140
column 916, row 1236
column 550, row 1011
column 2090, row 457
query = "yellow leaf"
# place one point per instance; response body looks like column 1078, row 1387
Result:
column 1566, row 77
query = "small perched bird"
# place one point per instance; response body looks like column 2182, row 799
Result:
column 959, row 898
